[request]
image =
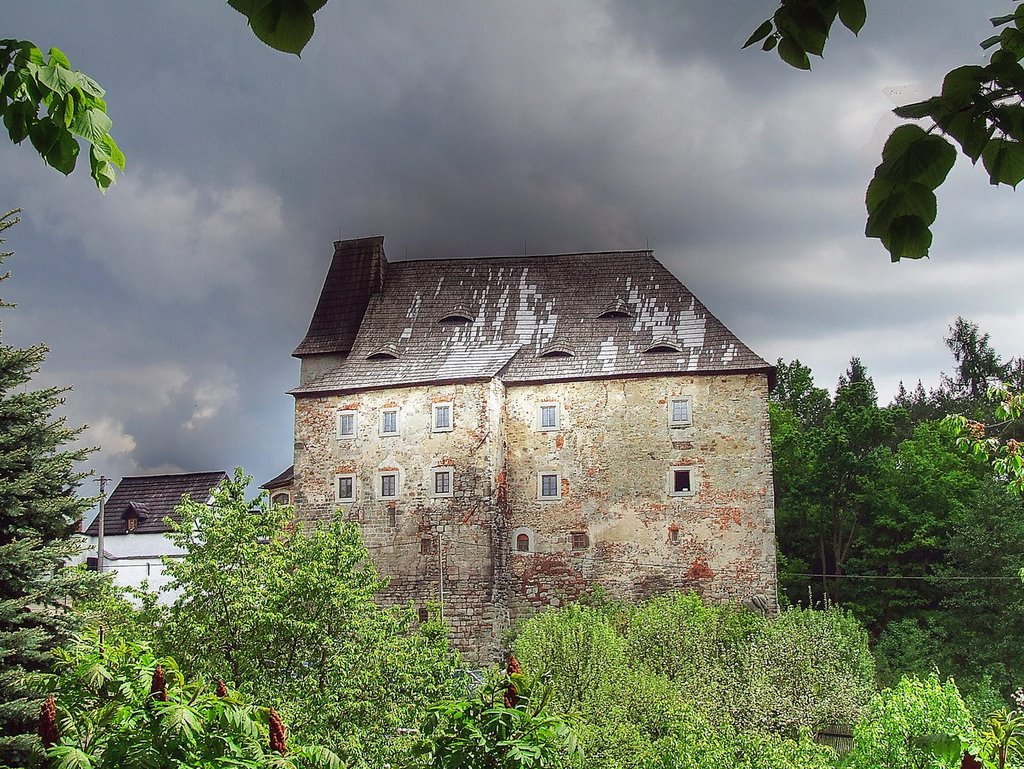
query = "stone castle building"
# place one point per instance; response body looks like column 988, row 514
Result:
column 510, row 431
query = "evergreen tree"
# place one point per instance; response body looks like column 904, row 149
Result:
column 39, row 512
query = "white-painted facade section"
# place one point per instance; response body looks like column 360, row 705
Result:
column 135, row 560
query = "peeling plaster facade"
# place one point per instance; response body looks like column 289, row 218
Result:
column 609, row 433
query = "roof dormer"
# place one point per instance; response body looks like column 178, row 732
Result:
column 459, row 315
column 616, row 310
column 385, row 352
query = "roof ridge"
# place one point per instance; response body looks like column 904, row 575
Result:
column 648, row 251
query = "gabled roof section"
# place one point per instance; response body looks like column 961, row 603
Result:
column 357, row 272
column 526, row 306
column 152, row 498
column 285, row 478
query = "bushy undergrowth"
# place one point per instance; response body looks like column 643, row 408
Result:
column 675, row 682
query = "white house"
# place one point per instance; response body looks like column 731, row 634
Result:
column 135, row 524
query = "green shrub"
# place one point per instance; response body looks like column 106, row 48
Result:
column 576, row 649
column 116, row 705
column 807, row 668
column 899, row 717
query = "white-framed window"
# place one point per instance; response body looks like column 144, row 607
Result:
column 548, row 417
column 345, row 487
column 387, row 485
column 443, row 482
column 549, row 485
column 346, row 425
column 389, row 424
column 523, row 540
column 680, row 412
column 442, row 418
column 682, row 482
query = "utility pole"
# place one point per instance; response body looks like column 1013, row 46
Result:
column 440, row 574
column 99, row 539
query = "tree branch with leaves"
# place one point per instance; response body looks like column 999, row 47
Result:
column 980, row 108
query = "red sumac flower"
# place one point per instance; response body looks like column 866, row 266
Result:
column 48, row 722
column 276, row 732
column 158, row 689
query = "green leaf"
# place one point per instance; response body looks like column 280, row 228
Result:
column 853, row 14
column 57, row 55
column 1012, row 40
column 285, row 25
column 17, row 119
column 1004, row 161
column 92, row 125
column 908, row 237
column 911, row 155
column 760, row 33
column 989, row 42
column 971, row 130
column 962, row 83
column 113, row 151
column 57, row 78
column 793, row 54
column 919, row 109
column 913, row 200
column 770, row 43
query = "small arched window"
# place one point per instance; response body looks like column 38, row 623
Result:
column 281, row 498
column 523, row 540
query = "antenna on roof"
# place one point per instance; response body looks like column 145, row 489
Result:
column 524, row 246
column 647, row 242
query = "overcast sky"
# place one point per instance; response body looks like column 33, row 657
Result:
column 173, row 302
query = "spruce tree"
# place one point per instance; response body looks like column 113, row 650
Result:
column 39, row 513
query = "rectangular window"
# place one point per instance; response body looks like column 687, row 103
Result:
column 346, row 425
column 681, row 482
column 443, row 482
column 442, row 422
column 679, row 412
column 547, row 416
column 389, row 421
column 673, row 535
column 425, row 547
column 388, row 486
column 345, row 488
column 580, row 540
column 548, row 486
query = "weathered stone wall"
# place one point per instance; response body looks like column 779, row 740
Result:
column 403, row 535
column 614, row 451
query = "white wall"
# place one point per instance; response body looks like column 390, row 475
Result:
column 135, row 558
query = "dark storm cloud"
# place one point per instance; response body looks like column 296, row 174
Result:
column 460, row 129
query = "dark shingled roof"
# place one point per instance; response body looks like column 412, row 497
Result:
column 284, row 479
column 154, row 495
column 525, row 306
column 357, row 271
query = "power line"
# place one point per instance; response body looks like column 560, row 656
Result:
column 681, row 567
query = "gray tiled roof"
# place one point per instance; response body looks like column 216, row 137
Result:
column 523, row 306
column 153, row 497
